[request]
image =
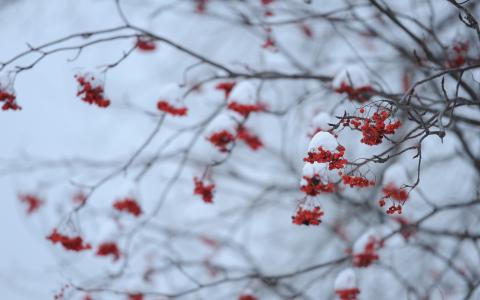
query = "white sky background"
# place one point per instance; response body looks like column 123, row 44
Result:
column 54, row 125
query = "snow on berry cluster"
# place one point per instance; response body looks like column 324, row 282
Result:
column 228, row 128
column 91, row 90
column 365, row 249
column 374, row 128
column 243, row 100
column 346, row 285
column 7, row 96
column 393, row 180
column 171, row 101
column 322, row 121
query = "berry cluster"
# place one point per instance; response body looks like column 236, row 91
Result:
column 91, row 92
column 348, row 294
column 246, row 109
column 33, row 202
column 108, row 248
column 128, row 205
column 252, row 140
column 391, row 191
column 201, row 6
column 360, row 94
column 204, row 190
column 314, row 186
column 308, row 216
column 135, row 296
column 166, row 107
column 70, row 243
column 374, row 129
column 368, row 256
column 8, row 100
column 395, row 193
column 460, row 50
column 334, row 160
column 221, row 139
column 405, row 230
column 247, row 297
column 145, row 44
column 357, row 181
column 226, row 87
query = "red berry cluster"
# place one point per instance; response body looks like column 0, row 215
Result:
column 204, row 190
column 145, row 44
column 368, row 256
column 33, row 202
column 128, row 205
column 70, row 243
column 200, row 6
column 334, row 160
column 357, row 181
column 269, row 44
column 460, row 50
column 392, row 191
column 360, row 94
column 221, row 139
column 308, row 216
column 108, row 248
column 405, row 231
column 246, row 109
column 394, row 208
column 166, row 107
column 8, row 100
column 226, row 87
column 315, row 186
column 252, row 140
column 90, row 92
column 348, row 294
column 374, row 129
column 247, row 297
column 136, row 296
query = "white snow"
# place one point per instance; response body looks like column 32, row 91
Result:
column 352, row 75
column 321, row 169
column 346, row 280
column 6, row 84
column 395, row 174
column 323, row 139
column 92, row 77
column 224, row 121
column 128, row 188
column 321, row 121
column 171, row 93
column 310, row 170
column 364, row 239
column 244, row 92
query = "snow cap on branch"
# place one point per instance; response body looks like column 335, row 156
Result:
column 365, row 239
column 323, row 139
column 172, row 93
column 322, row 120
column 346, row 280
column 353, row 76
column 244, row 92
